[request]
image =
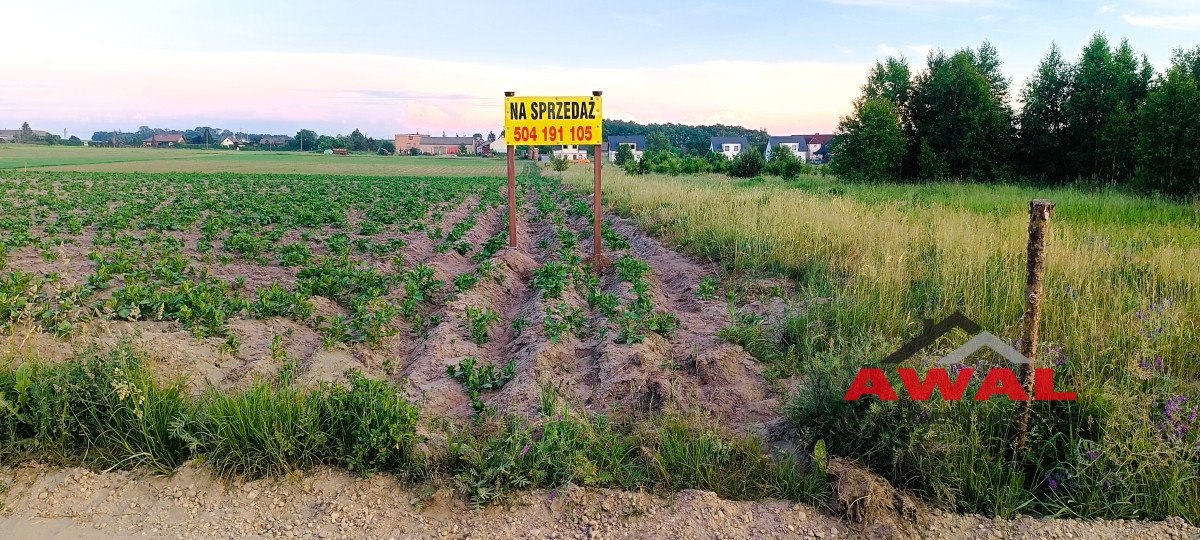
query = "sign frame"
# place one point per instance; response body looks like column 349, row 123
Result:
column 567, row 126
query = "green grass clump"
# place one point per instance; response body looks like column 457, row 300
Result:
column 102, row 410
column 371, row 427
column 500, row 455
column 263, row 431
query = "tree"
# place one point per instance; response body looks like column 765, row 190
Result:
column 390, row 146
column 26, row 133
column 53, row 139
column 1106, row 88
column 491, row 137
column 890, row 79
column 306, row 139
column 414, row 151
column 462, row 149
column 1041, row 143
column 657, row 141
column 624, row 155
column 870, row 143
column 559, row 164
column 1168, row 145
column 357, row 142
column 960, row 112
column 748, row 164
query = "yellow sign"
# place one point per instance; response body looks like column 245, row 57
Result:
column 552, row 121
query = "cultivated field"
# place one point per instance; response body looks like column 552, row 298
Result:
column 150, row 160
column 270, row 313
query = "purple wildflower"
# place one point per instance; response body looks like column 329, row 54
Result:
column 525, row 450
column 1092, row 455
column 1051, row 482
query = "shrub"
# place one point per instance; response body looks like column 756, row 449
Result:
column 747, row 164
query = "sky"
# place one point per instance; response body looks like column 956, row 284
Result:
column 434, row 67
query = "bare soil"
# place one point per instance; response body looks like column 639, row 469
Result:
column 47, row 502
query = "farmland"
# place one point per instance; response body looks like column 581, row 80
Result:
column 150, row 160
column 274, row 313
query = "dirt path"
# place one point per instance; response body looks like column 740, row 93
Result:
column 46, row 502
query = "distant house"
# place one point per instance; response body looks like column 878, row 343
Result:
column 275, row 141
column 636, row 144
column 232, row 141
column 571, row 153
column 498, row 147
column 437, row 146
column 14, row 135
column 818, row 147
column 163, row 140
column 730, row 146
column 798, row 144
column 341, row 151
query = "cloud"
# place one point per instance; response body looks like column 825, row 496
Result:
column 888, row 50
column 920, row 51
column 384, row 94
column 1106, row 9
column 1189, row 21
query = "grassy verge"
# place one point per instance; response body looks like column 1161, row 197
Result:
column 106, row 410
column 1121, row 325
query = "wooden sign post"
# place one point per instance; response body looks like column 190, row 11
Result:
column 512, row 184
column 553, row 121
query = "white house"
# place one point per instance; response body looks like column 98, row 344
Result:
column 570, row 153
column 636, row 144
column 497, row 147
column 818, row 146
column 730, row 146
column 798, row 144
column 232, row 142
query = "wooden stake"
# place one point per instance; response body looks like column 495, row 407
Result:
column 1040, row 212
column 598, row 261
column 597, row 257
column 512, row 185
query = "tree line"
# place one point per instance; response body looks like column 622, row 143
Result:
column 305, row 139
column 1106, row 118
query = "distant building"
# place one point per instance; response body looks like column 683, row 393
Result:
column 163, row 140
column 498, row 146
column 818, row 147
column 232, row 141
column 636, row 144
column 14, row 135
column 798, row 144
column 437, row 146
column 275, row 141
column 570, row 153
column 730, row 146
